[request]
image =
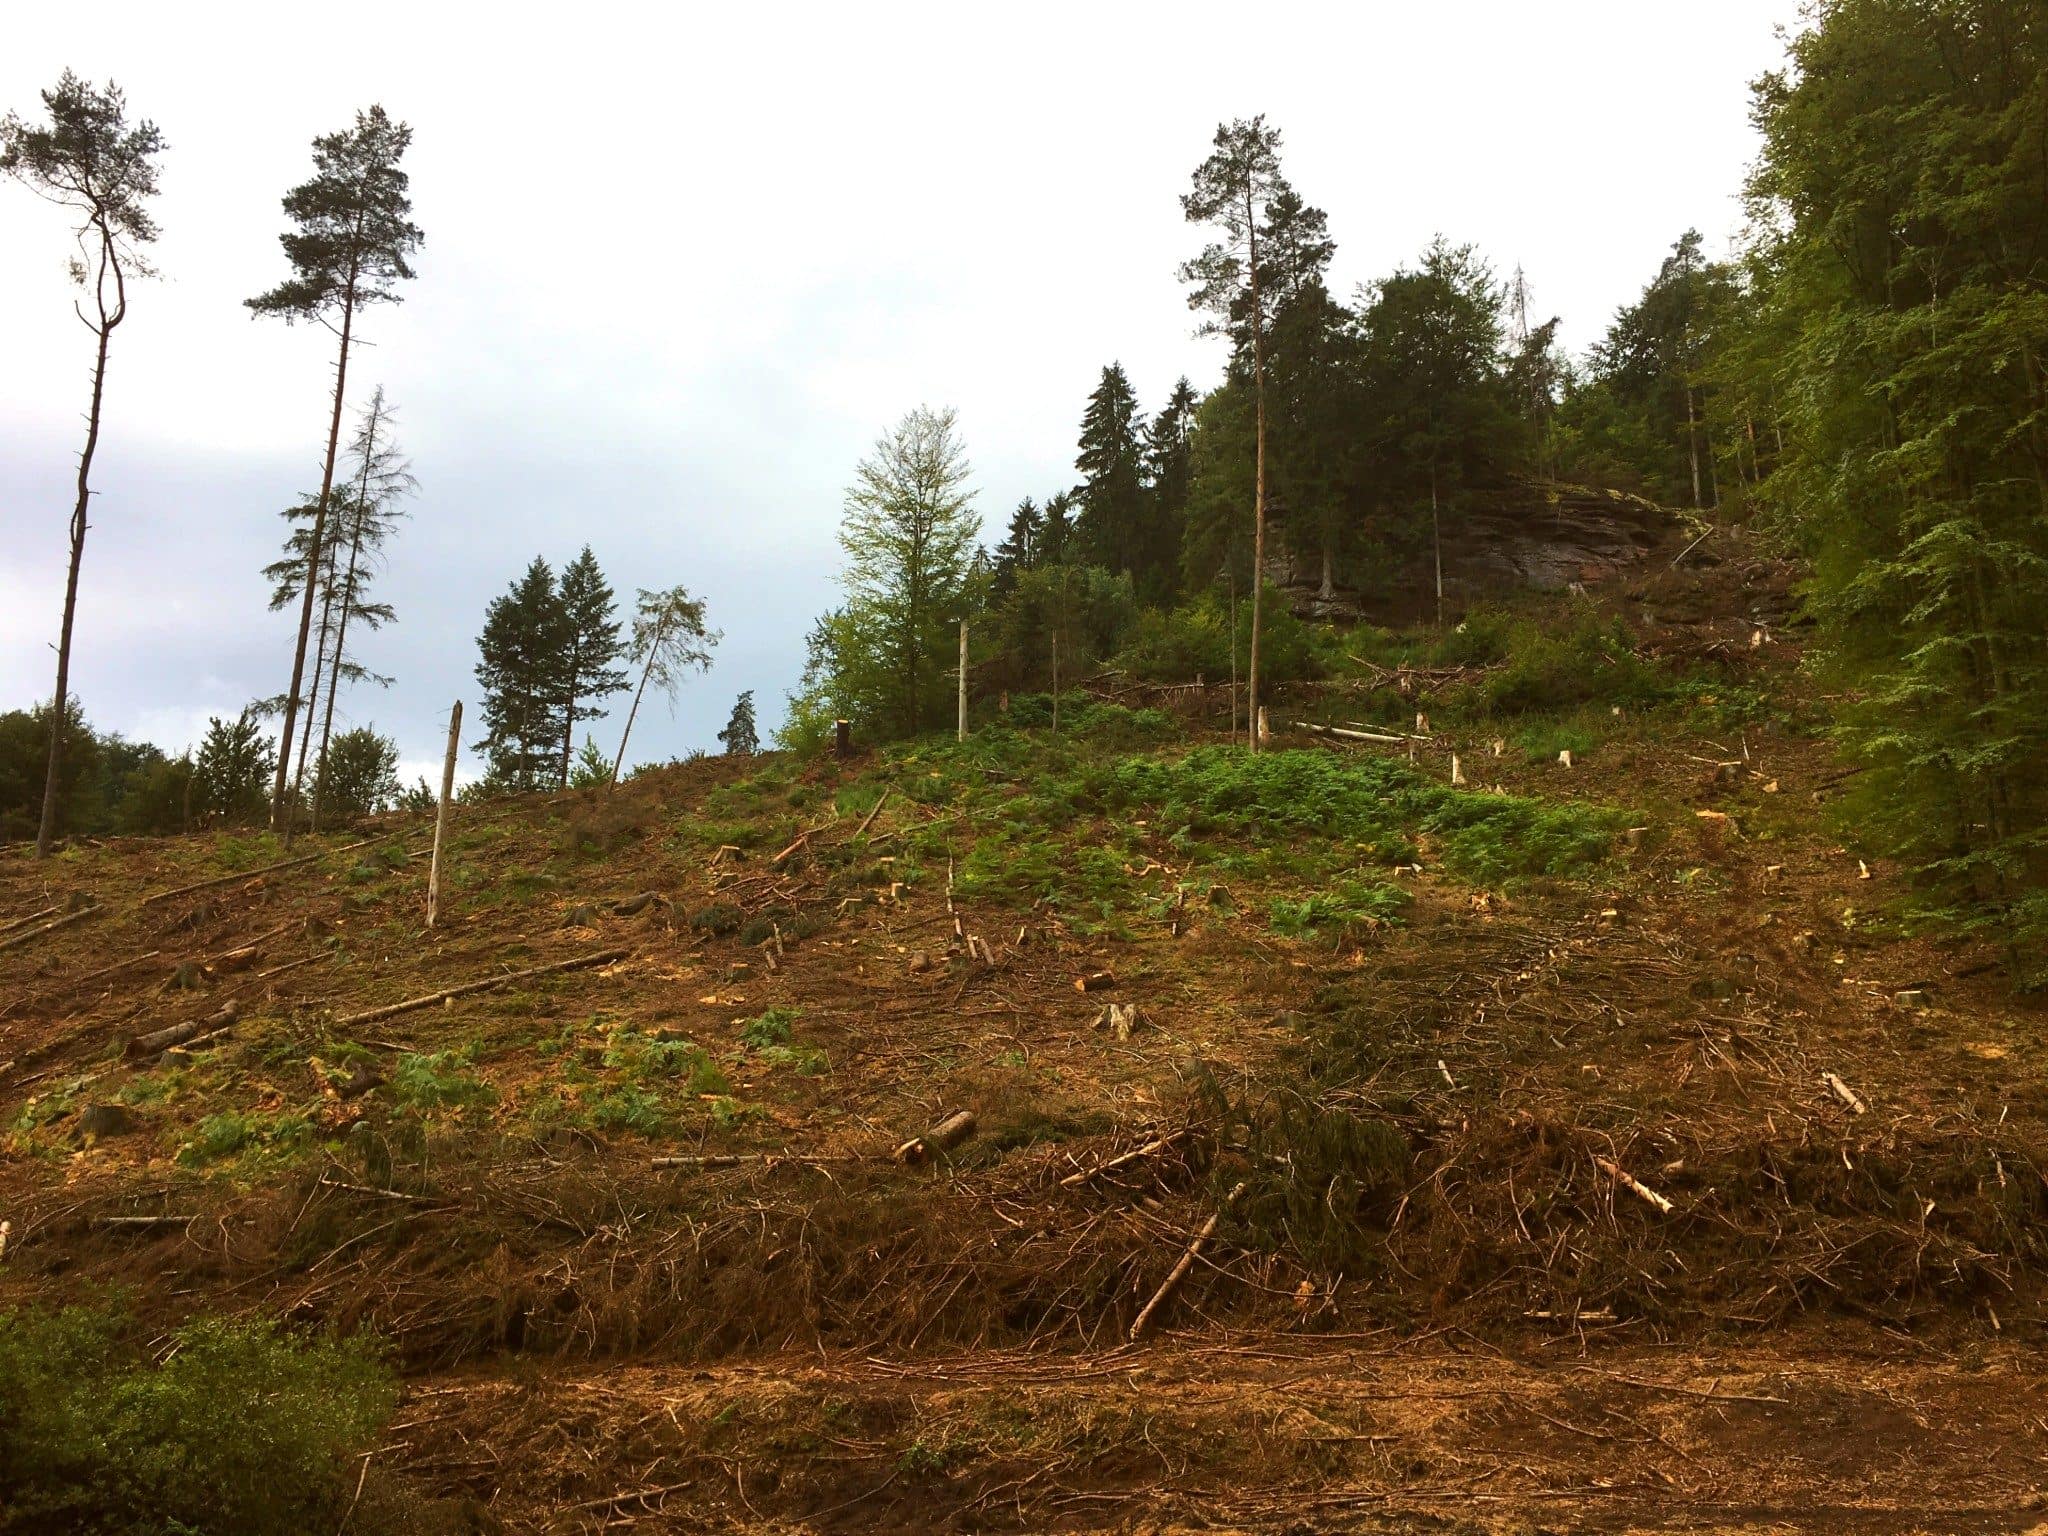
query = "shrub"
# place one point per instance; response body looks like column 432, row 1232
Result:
column 439, row 1081
column 238, row 1428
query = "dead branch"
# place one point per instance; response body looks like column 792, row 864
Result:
column 1142, row 1325
column 1150, row 1149
column 162, row 1040
column 33, row 917
column 1345, row 733
column 51, row 927
column 1845, row 1093
column 1634, row 1186
column 390, row 1010
column 873, row 811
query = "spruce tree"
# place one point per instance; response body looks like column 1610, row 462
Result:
column 740, row 737
column 351, row 244
column 1167, row 443
column 525, row 636
column 235, row 759
column 1019, row 550
column 1112, row 491
column 591, row 649
column 90, row 161
column 1056, row 543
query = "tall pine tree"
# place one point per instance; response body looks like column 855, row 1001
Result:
column 1111, row 526
column 591, row 648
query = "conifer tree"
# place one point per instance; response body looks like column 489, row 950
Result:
column 351, row 244
column 1265, row 238
column 1056, row 543
column 1019, row 550
column 235, row 758
column 525, row 635
column 1167, row 445
column 740, row 737
column 669, row 639
column 1112, row 491
column 590, row 650
column 90, row 161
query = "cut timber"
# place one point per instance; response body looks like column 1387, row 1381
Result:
column 873, row 811
column 50, row 927
column 1095, row 981
column 1634, row 1186
column 1142, row 1325
column 142, row 1223
column 707, row 1160
column 1845, row 1093
column 1344, row 733
column 602, row 957
column 250, row 874
column 943, row 1137
column 633, row 906
column 161, row 1040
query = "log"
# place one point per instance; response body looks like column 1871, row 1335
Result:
column 1344, row 733
column 118, row 965
column 33, row 917
column 1095, row 981
column 1142, row 1325
column 143, row 1223
column 702, row 1160
column 250, row 874
column 391, row 1010
column 1845, row 1093
column 801, row 839
column 1634, row 1186
column 633, row 906
column 50, row 927
column 158, row 1041
column 874, row 811
column 943, row 1137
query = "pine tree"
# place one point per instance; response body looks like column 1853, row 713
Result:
column 351, row 244
column 90, row 161
column 235, row 758
column 740, row 737
column 669, row 639
column 591, row 650
column 1167, row 446
column 525, row 635
column 1019, row 550
column 1056, row 542
column 1112, row 491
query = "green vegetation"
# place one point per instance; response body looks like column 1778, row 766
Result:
column 233, row 1427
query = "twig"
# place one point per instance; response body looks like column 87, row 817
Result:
column 1142, row 1325
column 1634, row 1186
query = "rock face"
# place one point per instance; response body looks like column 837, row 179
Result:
column 1528, row 535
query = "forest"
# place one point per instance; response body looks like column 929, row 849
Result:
column 1201, row 969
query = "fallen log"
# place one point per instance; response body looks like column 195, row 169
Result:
column 158, row 1041
column 51, row 927
column 250, row 874
column 1345, row 733
column 1095, row 981
column 143, row 1223
column 1634, row 1186
column 873, row 811
column 33, row 917
column 1142, row 1324
column 633, row 906
column 943, row 1137
column 703, row 1160
column 391, row 1010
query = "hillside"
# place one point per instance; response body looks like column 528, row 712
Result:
column 1587, row 1145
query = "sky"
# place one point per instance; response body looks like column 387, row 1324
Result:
column 685, row 264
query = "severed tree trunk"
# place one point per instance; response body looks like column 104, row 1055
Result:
column 281, row 818
column 1436, row 540
column 110, row 264
column 653, row 651
column 1692, row 445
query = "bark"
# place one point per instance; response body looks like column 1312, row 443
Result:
column 441, row 813
column 653, row 650
column 110, row 264
column 1692, row 447
column 281, row 819
column 1259, row 459
column 348, row 593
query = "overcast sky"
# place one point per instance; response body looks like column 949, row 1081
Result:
column 683, row 265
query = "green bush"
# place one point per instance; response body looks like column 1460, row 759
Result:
column 440, row 1081
column 235, row 1428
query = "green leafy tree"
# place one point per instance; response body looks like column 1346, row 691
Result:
column 24, row 765
column 519, row 667
column 351, row 243
column 669, row 642
column 740, row 738
column 360, row 776
column 909, row 536
column 235, row 760
column 591, row 648
column 91, row 162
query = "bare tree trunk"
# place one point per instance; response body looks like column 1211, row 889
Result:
column 1259, row 460
column 1328, row 590
column 46, row 830
column 280, row 812
column 313, row 693
column 1436, row 541
column 653, row 650
column 441, row 815
column 1233, row 655
column 348, row 596
column 963, row 679
column 1692, row 444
